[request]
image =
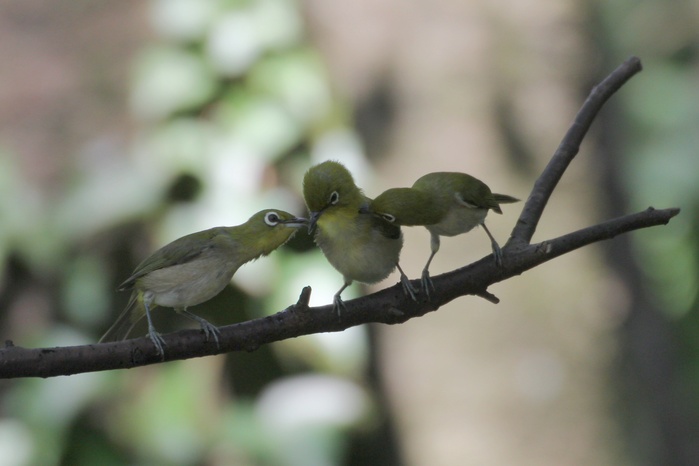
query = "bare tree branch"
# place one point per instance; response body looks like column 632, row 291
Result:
column 388, row 306
column 568, row 149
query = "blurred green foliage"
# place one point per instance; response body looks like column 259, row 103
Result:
column 661, row 108
column 658, row 165
column 231, row 105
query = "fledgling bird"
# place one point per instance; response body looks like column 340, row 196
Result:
column 447, row 204
column 197, row 267
column 361, row 246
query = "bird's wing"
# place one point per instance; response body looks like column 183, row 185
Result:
column 180, row 251
column 476, row 196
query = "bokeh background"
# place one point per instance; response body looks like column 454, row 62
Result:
column 124, row 125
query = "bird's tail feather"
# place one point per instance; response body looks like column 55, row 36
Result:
column 502, row 199
column 120, row 329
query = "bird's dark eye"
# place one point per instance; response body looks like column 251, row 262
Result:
column 272, row 218
column 388, row 217
column 334, row 198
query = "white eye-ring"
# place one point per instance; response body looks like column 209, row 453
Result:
column 334, row 197
column 388, row 217
column 272, row 219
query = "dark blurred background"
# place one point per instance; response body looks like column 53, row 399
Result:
column 124, row 125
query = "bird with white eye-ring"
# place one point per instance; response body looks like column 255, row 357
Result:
column 360, row 246
column 447, row 204
column 195, row 268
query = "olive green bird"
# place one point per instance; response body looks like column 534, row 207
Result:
column 447, row 204
column 361, row 246
column 197, row 267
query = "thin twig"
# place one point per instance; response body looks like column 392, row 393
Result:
column 567, row 150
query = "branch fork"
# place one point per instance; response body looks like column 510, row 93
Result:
column 388, row 306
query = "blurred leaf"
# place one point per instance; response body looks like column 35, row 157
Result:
column 258, row 124
column 170, row 79
column 46, row 407
column 86, row 290
column 180, row 145
column 234, row 44
column 172, row 418
column 665, row 100
column 297, row 80
column 21, row 212
column 278, row 23
column 17, row 443
column 184, row 20
column 244, row 34
column 304, row 416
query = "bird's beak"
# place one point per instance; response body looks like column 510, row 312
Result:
column 313, row 220
column 296, row 222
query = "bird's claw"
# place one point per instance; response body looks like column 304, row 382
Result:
column 408, row 288
column 210, row 330
column 427, row 283
column 339, row 306
column 158, row 341
column 497, row 253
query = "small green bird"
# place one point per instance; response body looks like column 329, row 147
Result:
column 197, row 267
column 361, row 246
column 447, row 204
